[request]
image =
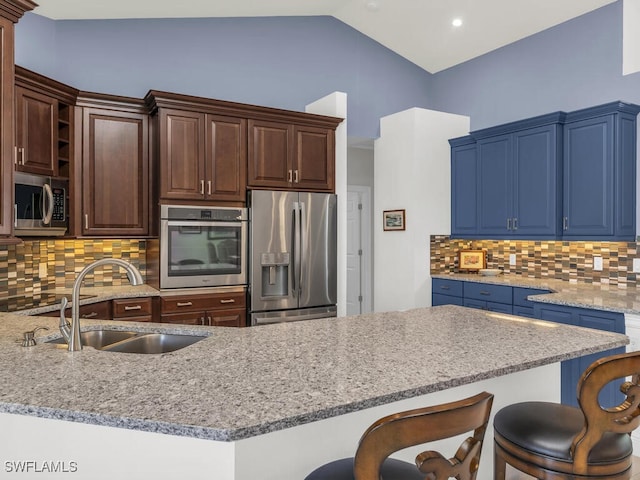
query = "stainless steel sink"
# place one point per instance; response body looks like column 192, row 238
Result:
column 153, row 343
column 133, row 342
column 100, row 338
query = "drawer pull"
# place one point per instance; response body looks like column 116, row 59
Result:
column 184, row 304
column 90, row 315
column 229, row 300
column 444, row 287
column 132, row 307
column 485, row 293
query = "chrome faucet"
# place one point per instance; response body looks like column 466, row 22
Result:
column 71, row 332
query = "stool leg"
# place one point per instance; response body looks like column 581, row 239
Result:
column 499, row 465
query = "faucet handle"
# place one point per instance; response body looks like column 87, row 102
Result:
column 28, row 338
column 65, row 326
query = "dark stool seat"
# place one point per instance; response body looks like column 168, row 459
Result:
column 548, row 429
column 392, row 469
column 415, row 427
column 550, row 440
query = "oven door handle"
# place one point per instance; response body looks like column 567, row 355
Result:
column 200, row 223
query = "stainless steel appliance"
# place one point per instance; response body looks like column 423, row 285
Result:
column 202, row 246
column 293, row 245
column 40, row 207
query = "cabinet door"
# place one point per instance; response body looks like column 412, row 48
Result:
column 588, row 178
column 226, row 156
column 314, row 164
column 187, row 318
column 495, row 187
column 115, row 175
column 182, row 155
column 464, row 191
column 270, row 154
column 7, row 121
column 227, row 318
column 536, row 196
column 36, row 132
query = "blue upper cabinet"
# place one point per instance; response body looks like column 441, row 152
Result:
column 518, row 172
column 549, row 177
column 599, row 173
column 464, row 187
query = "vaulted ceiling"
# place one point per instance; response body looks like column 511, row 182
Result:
column 419, row 30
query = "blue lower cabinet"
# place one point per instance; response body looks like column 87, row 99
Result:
column 439, row 299
column 572, row 369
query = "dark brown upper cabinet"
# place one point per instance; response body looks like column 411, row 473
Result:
column 44, row 113
column 36, row 132
column 115, row 166
column 291, row 156
column 10, row 12
column 212, row 150
column 202, row 156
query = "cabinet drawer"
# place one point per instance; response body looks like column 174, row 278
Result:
column 488, row 293
column 447, row 287
column 438, row 299
column 520, row 295
column 186, row 303
column 132, row 307
column 188, row 318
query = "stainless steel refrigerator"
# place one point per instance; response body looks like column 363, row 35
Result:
column 293, row 256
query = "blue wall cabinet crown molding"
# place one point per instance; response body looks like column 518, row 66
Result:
column 599, row 199
column 561, row 175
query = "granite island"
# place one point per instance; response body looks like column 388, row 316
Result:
column 265, row 402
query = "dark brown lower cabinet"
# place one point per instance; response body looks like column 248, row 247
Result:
column 218, row 309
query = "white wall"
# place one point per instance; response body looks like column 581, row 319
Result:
column 335, row 105
column 630, row 37
column 412, row 172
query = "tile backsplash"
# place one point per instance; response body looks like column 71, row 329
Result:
column 34, row 266
column 568, row 261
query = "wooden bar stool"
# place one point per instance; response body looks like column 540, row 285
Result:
column 554, row 441
column 415, row 427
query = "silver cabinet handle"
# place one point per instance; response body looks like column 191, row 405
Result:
column 15, row 154
column 132, row 307
column 515, row 223
column 209, row 321
column 201, row 187
column 90, row 315
column 290, row 176
column 184, row 304
column 209, row 187
column 86, row 221
column 565, row 223
column 201, row 320
column 508, row 224
column 444, row 287
column 228, row 300
column 485, row 293
column 295, row 178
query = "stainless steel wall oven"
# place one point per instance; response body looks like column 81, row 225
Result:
column 202, row 246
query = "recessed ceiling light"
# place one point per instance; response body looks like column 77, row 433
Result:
column 372, row 5
column 457, row 22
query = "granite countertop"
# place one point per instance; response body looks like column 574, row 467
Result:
column 242, row 382
column 597, row 296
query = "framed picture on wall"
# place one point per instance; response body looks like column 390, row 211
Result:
column 472, row 260
column 393, row 220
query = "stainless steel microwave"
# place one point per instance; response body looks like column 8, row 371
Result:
column 40, row 207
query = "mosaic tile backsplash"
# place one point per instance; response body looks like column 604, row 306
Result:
column 23, row 266
column 568, row 261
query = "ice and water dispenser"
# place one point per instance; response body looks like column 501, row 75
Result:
column 275, row 274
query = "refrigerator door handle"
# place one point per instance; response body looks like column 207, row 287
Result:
column 303, row 257
column 296, row 248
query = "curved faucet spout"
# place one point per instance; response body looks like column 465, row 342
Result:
column 133, row 274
